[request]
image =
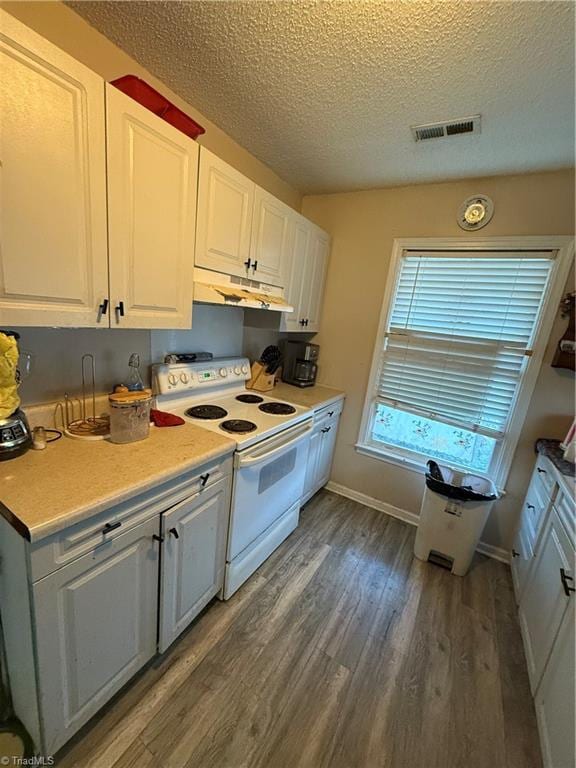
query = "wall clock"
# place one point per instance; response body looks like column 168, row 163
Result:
column 475, row 212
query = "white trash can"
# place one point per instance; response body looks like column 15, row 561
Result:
column 454, row 511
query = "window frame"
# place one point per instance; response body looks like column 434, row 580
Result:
column 563, row 249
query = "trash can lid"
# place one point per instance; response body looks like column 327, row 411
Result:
column 458, row 485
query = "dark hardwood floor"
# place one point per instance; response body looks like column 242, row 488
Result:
column 342, row 651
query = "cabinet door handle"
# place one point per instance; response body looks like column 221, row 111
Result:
column 541, row 471
column 102, row 309
column 158, row 538
column 306, row 323
column 326, row 429
column 564, row 578
column 174, row 533
column 330, row 413
column 255, row 265
column 302, row 322
column 120, row 309
column 204, row 479
column 111, row 527
column 530, row 506
column 515, row 554
column 247, row 263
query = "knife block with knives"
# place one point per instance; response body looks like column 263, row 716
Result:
column 261, row 380
column 264, row 370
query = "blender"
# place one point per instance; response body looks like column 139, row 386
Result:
column 15, row 433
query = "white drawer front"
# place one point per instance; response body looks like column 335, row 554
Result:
column 544, row 472
column 327, row 413
column 564, row 506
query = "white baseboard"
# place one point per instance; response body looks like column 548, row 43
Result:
column 497, row 553
column 369, row 501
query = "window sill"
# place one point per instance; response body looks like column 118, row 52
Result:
column 391, row 458
column 411, row 464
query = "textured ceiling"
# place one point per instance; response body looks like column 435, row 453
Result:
column 325, row 92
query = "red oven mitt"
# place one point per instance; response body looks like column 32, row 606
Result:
column 163, row 419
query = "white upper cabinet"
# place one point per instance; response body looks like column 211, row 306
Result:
column 307, row 266
column 297, row 289
column 319, row 251
column 53, row 256
column 225, row 208
column 271, row 236
column 152, row 179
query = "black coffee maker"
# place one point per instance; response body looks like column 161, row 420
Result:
column 300, row 364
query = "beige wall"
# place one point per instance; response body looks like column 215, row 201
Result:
column 363, row 226
column 66, row 29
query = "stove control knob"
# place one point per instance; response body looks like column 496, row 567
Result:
column 244, row 368
column 184, row 378
column 237, row 370
column 172, row 379
column 223, row 372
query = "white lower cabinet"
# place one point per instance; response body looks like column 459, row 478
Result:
column 193, row 558
column 544, row 573
column 95, row 628
column 537, row 504
column 87, row 606
column 555, row 698
column 321, row 451
column 311, row 479
column 544, row 601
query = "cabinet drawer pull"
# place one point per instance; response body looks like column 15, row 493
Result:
column 541, row 471
column 174, row 533
column 204, row 479
column 158, row 538
column 102, row 309
column 111, row 527
column 564, row 578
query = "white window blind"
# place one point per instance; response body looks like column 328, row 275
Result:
column 458, row 335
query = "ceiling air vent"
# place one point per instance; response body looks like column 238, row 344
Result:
column 447, row 128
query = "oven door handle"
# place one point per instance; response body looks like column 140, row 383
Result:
column 256, row 458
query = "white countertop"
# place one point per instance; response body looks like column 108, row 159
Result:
column 42, row 492
column 45, row 491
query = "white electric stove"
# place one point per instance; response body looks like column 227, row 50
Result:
column 272, row 439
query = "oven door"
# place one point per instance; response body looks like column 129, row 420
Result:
column 268, row 480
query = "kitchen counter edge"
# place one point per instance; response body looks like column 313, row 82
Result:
column 84, row 512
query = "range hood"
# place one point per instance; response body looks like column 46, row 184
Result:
column 215, row 288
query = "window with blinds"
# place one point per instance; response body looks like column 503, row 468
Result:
column 457, row 342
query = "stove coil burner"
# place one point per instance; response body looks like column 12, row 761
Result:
column 250, row 399
column 238, row 426
column 277, row 409
column 207, row 412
